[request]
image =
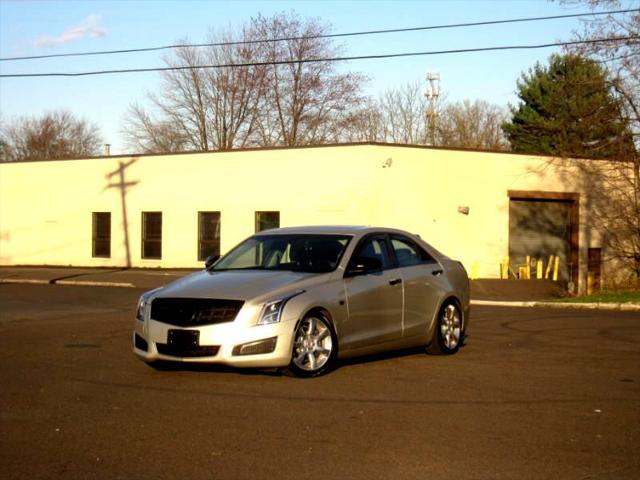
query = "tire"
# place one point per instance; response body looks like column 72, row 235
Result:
column 315, row 347
column 448, row 332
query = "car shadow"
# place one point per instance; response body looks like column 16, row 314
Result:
column 379, row 357
column 168, row 366
column 389, row 355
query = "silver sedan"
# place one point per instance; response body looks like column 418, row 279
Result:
column 301, row 298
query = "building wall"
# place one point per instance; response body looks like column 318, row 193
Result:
column 46, row 207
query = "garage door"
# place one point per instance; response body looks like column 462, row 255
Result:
column 539, row 228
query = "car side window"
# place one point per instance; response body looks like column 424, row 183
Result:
column 373, row 248
column 408, row 253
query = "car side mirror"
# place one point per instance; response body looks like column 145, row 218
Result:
column 210, row 260
column 364, row 265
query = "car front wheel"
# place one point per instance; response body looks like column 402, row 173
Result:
column 314, row 347
column 447, row 335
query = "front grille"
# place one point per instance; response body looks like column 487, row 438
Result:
column 191, row 312
column 140, row 343
column 188, row 350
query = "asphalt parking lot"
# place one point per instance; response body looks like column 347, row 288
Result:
column 534, row 394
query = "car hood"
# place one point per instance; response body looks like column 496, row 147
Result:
column 237, row 284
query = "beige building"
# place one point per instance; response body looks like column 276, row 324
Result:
column 173, row 210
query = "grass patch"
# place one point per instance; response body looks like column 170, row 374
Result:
column 604, row 297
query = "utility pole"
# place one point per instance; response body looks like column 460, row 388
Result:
column 432, row 94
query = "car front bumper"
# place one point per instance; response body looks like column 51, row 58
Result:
column 226, row 337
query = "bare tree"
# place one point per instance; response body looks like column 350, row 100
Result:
column 619, row 216
column 306, row 101
column 234, row 94
column 621, row 58
column 363, row 124
column 54, row 135
column 404, row 114
column 470, row 124
column 145, row 134
column 202, row 108
column 281, row 96
column 400, row 115
column 183, row 98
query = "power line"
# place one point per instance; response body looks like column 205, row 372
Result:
column 316, row 60
column 330, row 35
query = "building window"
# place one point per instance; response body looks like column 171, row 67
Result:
column 267, row 220
column 152, row 235
column 101, row 236
column 208, row 234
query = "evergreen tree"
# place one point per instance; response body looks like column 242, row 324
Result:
column 568, row 109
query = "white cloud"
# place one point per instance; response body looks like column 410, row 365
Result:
column 88, row 27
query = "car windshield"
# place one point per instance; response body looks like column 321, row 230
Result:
column 298, row 253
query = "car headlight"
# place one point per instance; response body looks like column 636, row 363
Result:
column 142, row 304
column 272, row 311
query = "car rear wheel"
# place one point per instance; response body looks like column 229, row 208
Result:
column 314, row 347
column 447, row 336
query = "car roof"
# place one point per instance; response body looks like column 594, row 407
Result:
column 330, row 229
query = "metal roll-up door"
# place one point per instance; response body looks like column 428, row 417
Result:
column 540, row 228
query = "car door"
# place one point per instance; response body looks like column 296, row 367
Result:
column 374, row 300
column 423, row 283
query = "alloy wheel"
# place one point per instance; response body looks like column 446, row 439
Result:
column 450, row 327
column 313, row 344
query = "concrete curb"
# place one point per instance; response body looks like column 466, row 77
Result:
column 85, row 283
column 497, row 303
column 626, row 307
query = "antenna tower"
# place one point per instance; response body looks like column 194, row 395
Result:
column 432, row 94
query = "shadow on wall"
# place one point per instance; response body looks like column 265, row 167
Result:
column 609, row 210
column 118, row 179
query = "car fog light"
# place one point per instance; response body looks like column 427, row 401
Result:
column 267, row 345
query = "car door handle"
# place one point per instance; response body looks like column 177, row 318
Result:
column 435, row 273
column 395, row 281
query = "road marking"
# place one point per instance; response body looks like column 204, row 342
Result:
column 85, row 283
column 88, row 283
column 23, row 280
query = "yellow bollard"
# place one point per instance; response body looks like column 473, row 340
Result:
column 549, row 267
column 504, row 268
column 522, row 273
column 539, row 269
column 556, row 267
column 528, row 267
column 475, row 269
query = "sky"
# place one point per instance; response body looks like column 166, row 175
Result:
column 48, row 27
